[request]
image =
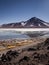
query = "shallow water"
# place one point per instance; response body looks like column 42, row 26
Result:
column 21, row 35
column 12, row 35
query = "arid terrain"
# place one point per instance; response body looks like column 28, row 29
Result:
column 18, row 43
column 33, row 51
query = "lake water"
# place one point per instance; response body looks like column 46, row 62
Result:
column 12, row 35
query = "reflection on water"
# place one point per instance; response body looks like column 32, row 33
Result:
column 22, row 35
column 11, row 35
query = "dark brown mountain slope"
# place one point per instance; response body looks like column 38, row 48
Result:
column 33, row 55
column 31, row 23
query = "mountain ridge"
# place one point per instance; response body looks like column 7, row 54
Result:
column 33, row 22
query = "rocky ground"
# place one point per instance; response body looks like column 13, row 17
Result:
column 32, row 55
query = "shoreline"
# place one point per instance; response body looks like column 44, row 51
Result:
column 15, row 44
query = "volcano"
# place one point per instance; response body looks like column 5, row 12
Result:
column 33, row 22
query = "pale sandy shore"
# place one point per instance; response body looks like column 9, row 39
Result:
column 24, row 29
column 16, row 44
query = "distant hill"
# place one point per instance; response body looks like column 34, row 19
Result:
column 34, row 22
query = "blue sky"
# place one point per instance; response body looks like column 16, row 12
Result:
column 21, row 10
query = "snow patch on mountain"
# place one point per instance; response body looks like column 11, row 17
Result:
column 39, row 25
column 12, row 25
column 23, row 23
column 46, row 24
column 31, row 25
